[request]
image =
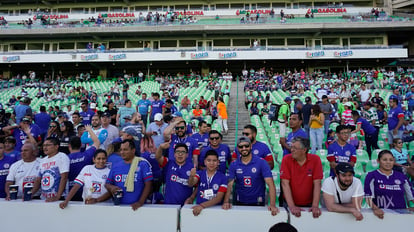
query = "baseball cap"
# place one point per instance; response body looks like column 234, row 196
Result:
column 106, row 114
column 128, row 117
column 308, row 99
column 25, row 120
column 131, row 131
column 177, row 114
column 288, row 99
column 93, row 105
column 344, row 168
column 243, row 139
column 158, row 117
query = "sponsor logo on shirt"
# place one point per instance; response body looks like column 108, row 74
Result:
column 177, row 179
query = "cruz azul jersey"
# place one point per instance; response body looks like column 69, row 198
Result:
column 176, row 182
column 93, row 181
column 249, row 179
column 50, row 170
column 224, row 156
column 209, row 187
column 119, row 173
column 23, row 173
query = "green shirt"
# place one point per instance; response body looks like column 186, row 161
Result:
column 284, row 109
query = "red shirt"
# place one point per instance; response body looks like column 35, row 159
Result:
column 202, row 103
column 301, row 177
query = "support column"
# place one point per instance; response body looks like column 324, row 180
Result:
column 103, row 73
column 411, row 47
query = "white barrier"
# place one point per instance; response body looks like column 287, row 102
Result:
column 346, row 222
column 17, row 216
column 239, row 218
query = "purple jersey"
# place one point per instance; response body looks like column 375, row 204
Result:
column 249, row 179
column 191, row 145
column 5, row 164
column 224, row 156
column 176, row 182
column 387, row 192
column 209, row 187
column 156, row 107
column 202, row 140
column 119, row 173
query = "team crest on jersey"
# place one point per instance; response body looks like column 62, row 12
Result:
column 188, row 144
column 256, row 152
column 96, row 187
column 188, row 173
column 173, row 178
column 397, row 181
column 118, row 178
column 215, row 186
column 347, row 153
column 6, row 165
column 247, row 181
column 104, row 177
column 223, row 153
column 46, row 181
column 254, row 170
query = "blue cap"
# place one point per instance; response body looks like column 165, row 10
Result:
column 288, row 99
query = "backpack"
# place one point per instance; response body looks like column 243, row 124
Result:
column 274, row 112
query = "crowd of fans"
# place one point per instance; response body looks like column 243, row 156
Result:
column 177, row 162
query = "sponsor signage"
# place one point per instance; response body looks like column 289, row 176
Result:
column 89, row 57
column 191, row 12
column 327, row 10
column 239, row 12
column 117, row 56
column 226, row 55
column 11, row 58
column 46, row 16
column 199, row 55
column 315, row 54
column 343, row 53
column 117, row 15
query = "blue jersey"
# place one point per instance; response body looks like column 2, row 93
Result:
column 156, row 170
column 143, row 106
column 113, row 159
column 209, row 187
column 366, row 126
column 393, row 117
column 14, row 154
column 224, row 156
column 291, row 136
column 5, row 164
column 21, row 137
column 339, row 154
column 249, row 179
column 202, row 140
column 87, row 116
column 176, row 182
column 119, row 173
column 156, row 107
column 191, row 145
column 78, row 160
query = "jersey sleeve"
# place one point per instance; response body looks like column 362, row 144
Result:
column 232, row 171
column 80, row 179
column 266, row 172
column 110, row 179
column 369, row 185
column 12, row 172
column 330, row 156
column 353, row 157
column 146, row 171
column 328, row 186
column 223, row 184
column 63, row 164
column 103, row 135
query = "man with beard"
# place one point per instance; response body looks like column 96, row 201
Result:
column 251, row 174
column 100, row 132
column 343, row 193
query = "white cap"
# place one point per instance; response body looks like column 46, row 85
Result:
column 349, row 104
column 93, row 105
column 158, row 117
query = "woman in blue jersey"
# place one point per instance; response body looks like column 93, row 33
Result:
column 212, row 185
column 92, row 178
column 385, row 188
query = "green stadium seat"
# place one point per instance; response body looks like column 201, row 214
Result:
column 362, row 156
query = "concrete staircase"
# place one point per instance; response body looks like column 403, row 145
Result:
column 243, row 118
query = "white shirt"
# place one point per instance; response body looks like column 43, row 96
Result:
column 331, row 187
column 364, row 95
column 22, row 173
column 113, row 133
column 93, row 181
column 50, row 171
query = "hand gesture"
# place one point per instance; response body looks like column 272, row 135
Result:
column 193, row 171
column 88, row 128
column 165, row 145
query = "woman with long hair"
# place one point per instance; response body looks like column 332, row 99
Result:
column 67, row 131
column 316, row 123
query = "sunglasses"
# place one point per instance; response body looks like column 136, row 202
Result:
column 180, row 127
column 245, row 134
column 214, row 138
column 52, row 126
column 243, row 146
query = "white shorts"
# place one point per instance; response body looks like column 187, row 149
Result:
column 282, row 129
